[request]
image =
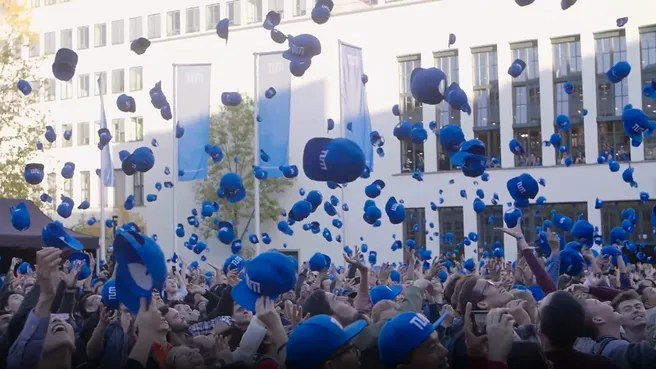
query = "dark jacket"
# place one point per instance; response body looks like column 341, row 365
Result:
column 625, row 354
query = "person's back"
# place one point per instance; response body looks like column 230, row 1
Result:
column 577, row 360
column 625, row 354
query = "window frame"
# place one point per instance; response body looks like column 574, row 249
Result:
column 83, row 134
column 80, row 90
column 83, row 34
column 135, row 28
column 118, row 88
column 154, row 18
column 523, row 50
column 99, row 36
column 490, row 88
column 211, row 17
column 454, row 215
column 602, row 79
column 138, row 189
column 62, row 37
column 406, row 64
column 409, row 234
column 85, row 185
column 119, row 36
column 170, row 31
column 193, row 27
column 487, row 235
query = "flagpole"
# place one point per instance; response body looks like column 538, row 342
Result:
column 102, row 255
column 256, row 152
column 174, row 165
column 341, row 134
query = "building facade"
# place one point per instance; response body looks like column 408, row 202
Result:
column 578, row 46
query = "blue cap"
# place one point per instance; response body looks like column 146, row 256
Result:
column 231, row 188
column 373, row 190
column 24, row 87
column 451, row 137
column 226, row 232
column 516, row 147
column 300, row 210
column 231, row 98
column 233, row 262
column 583, row 232
column 141, row 268
column 566, row 4
column 268, row 274
column 511, row 217
column 157, row 97
column 24, row 268
column 571, row 262
column 140, row 45
column 20, row 217
column 403, row 334
column 319, row 262
column 126, row 103
column 86, row 268
column 402, row 130
column 33, row 173
column 68, row 170
column 523, row 187
column 618, row 72
column 302, row 48
column 563, row 222
column 315, row 340
column 54, row 235
column 516, row 68
column 141, row 160
column 223, row 28
column 271, row 20
column 321, row 13
column 471, row 158
column 63, row 67
column 84, row 205
column 380, row 293
column 108, row 296
column 50, row 134
column 427, row 85
column 337, row 160
column 395, row 211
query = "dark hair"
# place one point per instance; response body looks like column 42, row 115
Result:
column 164, row 310
column 464, row 293
column 562, row 319
column 317, row 304
column 450, row 286
column 527, row 354
column 624, row 296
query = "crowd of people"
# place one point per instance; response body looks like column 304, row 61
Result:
column 337, row 315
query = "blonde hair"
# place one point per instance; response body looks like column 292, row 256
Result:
column 183, row 357
column 381, row 307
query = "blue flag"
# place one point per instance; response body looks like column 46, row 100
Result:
column 107, row 168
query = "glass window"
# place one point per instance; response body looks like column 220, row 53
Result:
column 451, row 221
column 414, row 229
column 137, row 125
column 486, row 88
column 51, row 2
column 68, row 187
column 136, row 28
column 212, row 15
column 490, row 218
column 567, row 68
column 574, row 140
column 192, row 20
column 448, row 63
column 611, row 217
column 233, row 8
column 253, row 11
column 648, row 62
column 535, row 215
column 85, row 179
column 300, row 7
column 34, row 49
column 66, row 36
column 118, row 81
column 66, row 89
column 65, row 142
column 52, row 189
column 100, row 35
column 119, row 188
column 49, row 43
column 611, row 97
column 526, row 87
column 83, row 38
column 83, row 85
column 531, row 140
column 173, row 23
column 118, row 32
column 118, row 130
column 36, row 3
column 96, row 128
column 492, row 141
column 412, row 155
column 154, row 26
column 138, row 188
column 613, row 143
column 103, row 82
column 136, row 78
column 50, row 89
column 17, row 52
column 278, row 6
column 569, row 105
column 82, row 133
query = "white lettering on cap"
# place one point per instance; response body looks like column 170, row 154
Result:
column 112, row 293
column 637, row 128
column 419, row 321
column 322, row 159
column 252, row 285
column 236, row 261
column 335, row 322
column 275, row 68
column 393, row 207
column 298, row 50
column 520, row 187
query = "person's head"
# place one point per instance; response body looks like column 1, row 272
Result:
column 629, row 305
column 184, row 310
column 176, row 321
column 164, row 326
column 648, row 294
column 183, row 357
column 14, row 302
column 527, row 354
column 59, row 336
column 325, row 303
column 90, row 303
column 409, row 341
column 650, row 328
column 601, row 319
column 532, row 306
column 561, row 320
column 322, row 342
column 241, row 316
column 450, row 286
column 482, row 293
column 384, row 310
column 171, row 286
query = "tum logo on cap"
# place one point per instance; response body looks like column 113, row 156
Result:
column 393, row 207
column 419, row 321
column 252, row 285
column 298, row 50
column 275, row 68
column 322, row 159
column 112, row 293
column 637, row 128
column 520, row 187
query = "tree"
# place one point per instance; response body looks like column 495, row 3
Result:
column 232, row 130
column 21, row 123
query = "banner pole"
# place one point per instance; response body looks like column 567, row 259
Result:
column 341, row 134
column 174, row 165
column 256, row 152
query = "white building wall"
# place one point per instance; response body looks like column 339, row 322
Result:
column 384, row 32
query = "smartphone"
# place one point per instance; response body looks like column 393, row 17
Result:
column 479, row 320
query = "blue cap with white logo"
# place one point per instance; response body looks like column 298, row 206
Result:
column 402, row 334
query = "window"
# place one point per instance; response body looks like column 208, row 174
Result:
column 531, row 140
column 52, row 189
column 613, row 143
column 119, row 188
column 34, row 50
column 492, row 140
column 212, row 15
column 65, row 142
column 154, row 26
column 611, row 97
column 412, row 155
column 300, row 7
column 253, row 11
column 49, row 43
column 413, row 229
column 17, row 53
column 118, row 32
column 50, row 89
column 233, row 8
column 277, row 6
column 118, row 81
column 486, row 88
column 526, row 87
column 648, row 64
column 66, row 89
column 574, row 139
column 447, row 61
column 136, row 78
column 85, row 178
column 192, row 20
column 83, row 85
column 451, row 222
column 83, row 38
column 118, row 130
column 66, row 36
column 82, row 133
column 51, row 2
column 96, row 128
column 136, row 28
column 173, row 23
column 36, row 3
column 68, row 187
column 535, row 215
column 137, row 125
column 100, row 35
column 138, row 188
column 103, row 83
column 490, row 218
column 611, row 217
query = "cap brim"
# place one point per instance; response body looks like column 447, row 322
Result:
column 72, row 243
column 458, row 159
column 439, row 321
column 243, row 296
column 126, row 165
column 353, row 330
column 396, row 290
